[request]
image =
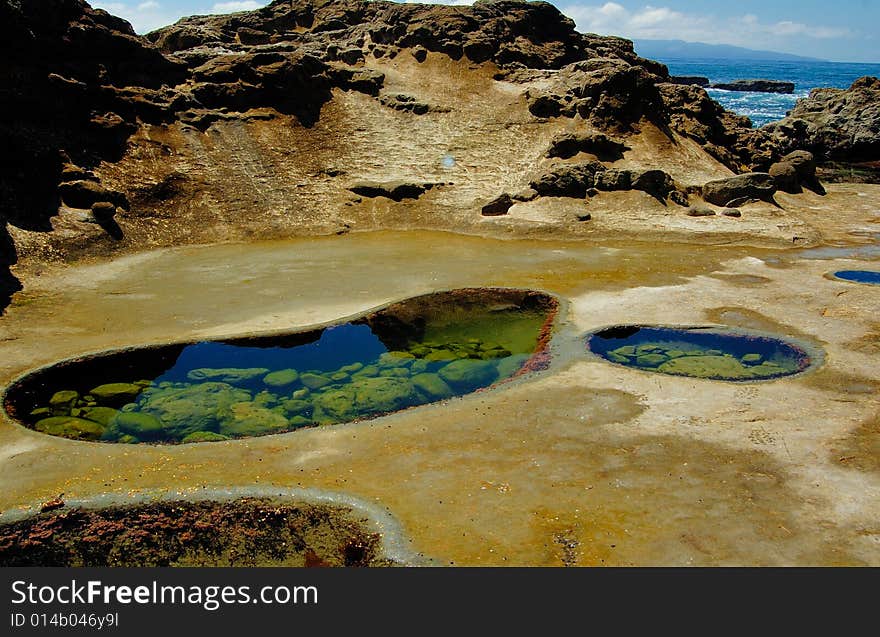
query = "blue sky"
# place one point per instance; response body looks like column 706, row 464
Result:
column 842, row 30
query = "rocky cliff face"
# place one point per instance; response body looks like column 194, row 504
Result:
column 307, row 116
column 835, row 124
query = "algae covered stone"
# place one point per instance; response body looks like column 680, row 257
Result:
column 752, row 359
column 469, row 374
column 141, row 425
column 246, row 419
column 432, row 386
column 199, row 407
column 116, row 393
column 100, row 415
column 314, row 381
column 722, row 367
column 62, row 401
column 70, row 427
column 281, row 378
column 650, row 360
column 204, row 436
column 231, row 375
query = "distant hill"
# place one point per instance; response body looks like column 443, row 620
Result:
column 679, row 49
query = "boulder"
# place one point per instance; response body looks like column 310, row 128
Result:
column 70, row 427
column 116, row 394
column 834, row 124
column 721, row 192
column 198, row 407
column 314, row 381
column 394, row 190
column 245, row 419
column 568, row 180
column 142, row 426
column 281, row 378
column 231, row 375
column 785, row 177
column 203, row 436
column 432, row 386
column 498, row 206
column 103, row 211
column 467, row 375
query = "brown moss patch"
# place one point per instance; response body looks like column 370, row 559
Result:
column 245, row 532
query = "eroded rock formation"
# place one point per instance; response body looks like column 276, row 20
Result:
column 316, row 116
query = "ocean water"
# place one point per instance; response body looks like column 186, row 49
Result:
column 763, row 108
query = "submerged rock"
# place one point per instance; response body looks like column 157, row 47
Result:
column 116, row 393
column 141, row 425
column 465, row 375
column 432, row 386
column 70, row 427
column 231, row 375
column 245, row 419
column 281, row 378
column 203, row 436
column 705, row 367
column 199, row 407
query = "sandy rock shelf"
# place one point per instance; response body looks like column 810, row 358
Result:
column 585, row 463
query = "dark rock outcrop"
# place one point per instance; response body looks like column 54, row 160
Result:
column 498, row 206
column 749, row 186
column 756, row 86
column 568, row 145
column 726, row 136
column 394, row 190
column 796, row 171
column 579, row 180
column 834, row 124
column 694, row 80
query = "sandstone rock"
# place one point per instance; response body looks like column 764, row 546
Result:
column 721, row 192
column 785, row 176
column 568, row 180
column 700, row 211
column 498, row 206
column 394, row 190
column 731, row 212
column 568, row 145
column 835, row 124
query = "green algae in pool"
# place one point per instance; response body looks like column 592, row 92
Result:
column 418, row 351
column 699, row 352
column 859, row 276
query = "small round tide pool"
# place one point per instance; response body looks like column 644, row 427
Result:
column 699, row 352
column 418, row 351
column 859, row 276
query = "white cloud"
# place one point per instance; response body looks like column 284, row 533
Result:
column 231, row 7
column 663, row 23
column 149, row 15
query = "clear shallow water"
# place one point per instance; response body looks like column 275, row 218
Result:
column 859, row 276
column 411, row 353
column 699, row 353
column 763, row 108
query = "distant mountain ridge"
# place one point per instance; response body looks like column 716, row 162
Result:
column 679, row 49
